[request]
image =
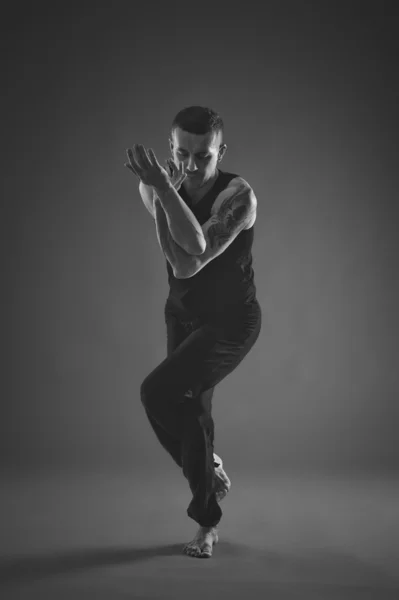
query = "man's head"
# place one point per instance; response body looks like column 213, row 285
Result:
column 197, row 141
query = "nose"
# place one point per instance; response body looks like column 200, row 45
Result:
column 191, row 165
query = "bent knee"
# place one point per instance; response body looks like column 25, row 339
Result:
column 145, row 394
column 151, row 392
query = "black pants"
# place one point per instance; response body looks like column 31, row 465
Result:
column 177, row 395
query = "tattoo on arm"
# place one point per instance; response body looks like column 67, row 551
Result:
column 229, row 217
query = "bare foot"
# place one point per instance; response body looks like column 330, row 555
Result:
column 202, row 545
column 221, row 489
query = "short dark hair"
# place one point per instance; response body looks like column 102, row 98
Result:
column 199, row 120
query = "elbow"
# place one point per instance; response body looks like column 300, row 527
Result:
column 198, row 248
column 179, row 274
column 185, row 271
column 194, row 248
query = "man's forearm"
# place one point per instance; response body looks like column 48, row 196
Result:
column 183, row 226
column 178, row 258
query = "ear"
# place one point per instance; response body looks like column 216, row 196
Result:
column 222, row 151
column 171, row 145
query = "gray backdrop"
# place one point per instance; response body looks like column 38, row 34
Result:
column 309, row 99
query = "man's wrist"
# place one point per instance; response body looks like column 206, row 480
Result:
column 164, row 188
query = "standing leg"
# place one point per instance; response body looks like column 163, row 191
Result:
column 197, row 454
column 202, row 360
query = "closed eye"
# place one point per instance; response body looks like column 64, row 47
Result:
column 198, row 156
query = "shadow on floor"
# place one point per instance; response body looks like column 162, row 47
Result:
column 328, row 566
column 23, row 569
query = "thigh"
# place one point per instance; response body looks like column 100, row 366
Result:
column 177, row 330
column 233, row 338
column 199, row 359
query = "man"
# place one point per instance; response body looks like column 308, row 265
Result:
column 204, row 221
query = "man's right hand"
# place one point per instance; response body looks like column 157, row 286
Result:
column 177, row 174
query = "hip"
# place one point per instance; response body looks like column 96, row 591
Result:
column 236, row 316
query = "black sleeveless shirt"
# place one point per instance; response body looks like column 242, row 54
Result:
column 226, row 283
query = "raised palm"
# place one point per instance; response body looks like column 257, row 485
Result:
column 177, row 174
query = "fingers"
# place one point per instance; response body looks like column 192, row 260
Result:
column 182, row 173
column 176, row 173
column 153, row 158
column 179, row 169
column 141, row 153
column 138, row 158
column 133, row 166
column 173, row 169
column 141, row 160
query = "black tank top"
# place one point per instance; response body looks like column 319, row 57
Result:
column 226, row 283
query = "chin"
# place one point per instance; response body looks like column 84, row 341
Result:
column 196, row 181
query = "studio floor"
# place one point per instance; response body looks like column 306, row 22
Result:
column 109, row 536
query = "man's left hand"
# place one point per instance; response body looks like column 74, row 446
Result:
column 143, row 163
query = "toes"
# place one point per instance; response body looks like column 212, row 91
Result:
column 193, row 552
column 197, row 552
column 206, row 552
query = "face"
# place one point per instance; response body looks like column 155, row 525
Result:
column 200, row 155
